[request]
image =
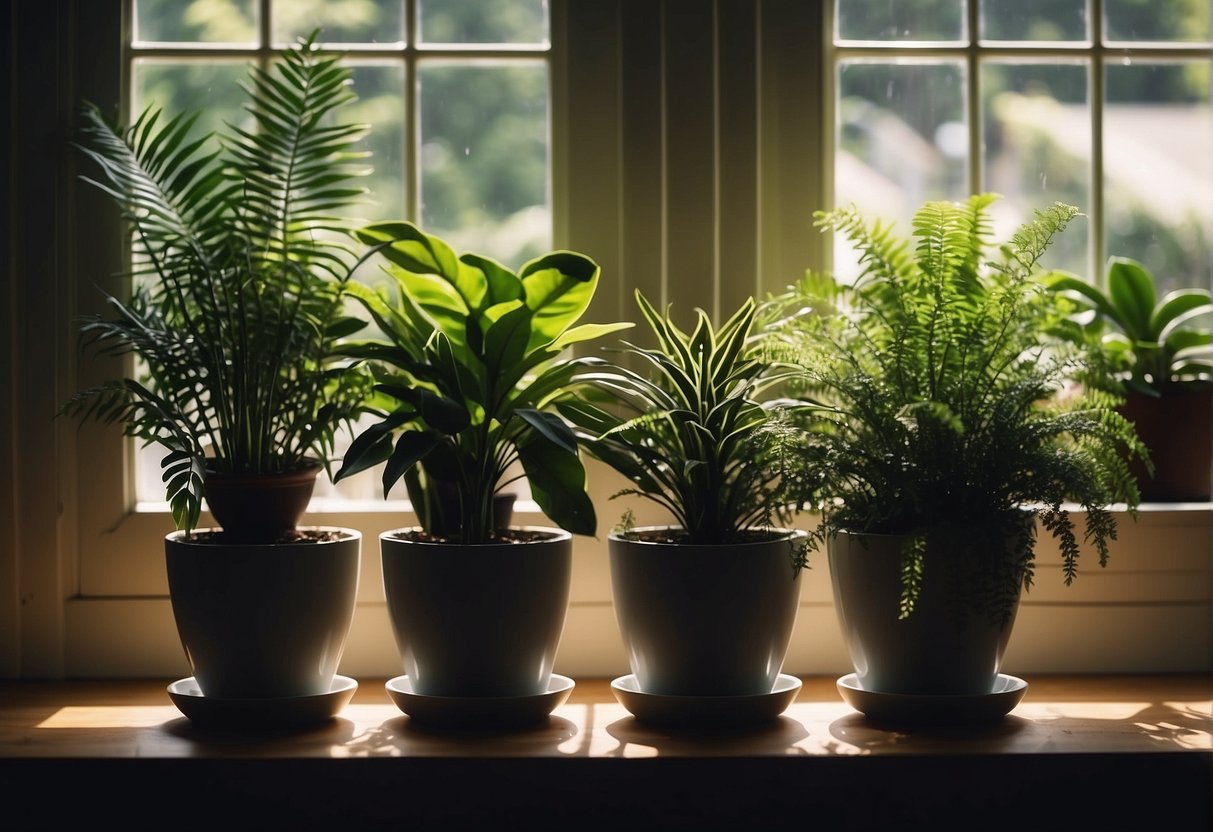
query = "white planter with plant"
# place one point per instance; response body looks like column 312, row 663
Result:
column 1161, row 354
column 705, row 604
column 236, row 305
column 473, row 362
column 948, row 428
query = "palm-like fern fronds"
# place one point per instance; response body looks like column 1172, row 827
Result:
column 239, row 270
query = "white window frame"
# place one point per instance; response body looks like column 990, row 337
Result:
column 636, row 87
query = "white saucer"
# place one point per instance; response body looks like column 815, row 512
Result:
column 290, row 710
column 934, row 709
column 479, row 711
column 665, row 709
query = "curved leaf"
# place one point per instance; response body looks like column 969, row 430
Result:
column 558, row 484
column 1131, row 289
column 1178, row 307
column 558, row 287
column 411, row 447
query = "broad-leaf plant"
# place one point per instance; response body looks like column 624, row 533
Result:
column 472, row 360
column 691, row 430
column 1156, row 345
column 948, row 411
column 239, row 269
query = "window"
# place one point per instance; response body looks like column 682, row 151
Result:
column 683, row 144
column 1100, row 105
column 457, row 96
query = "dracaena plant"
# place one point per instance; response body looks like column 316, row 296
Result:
column 238, row 272
column 1155, row 344
column 473, row 359
column 691, row 431
column 948, row 412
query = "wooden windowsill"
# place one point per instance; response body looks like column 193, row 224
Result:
column 1121, row 748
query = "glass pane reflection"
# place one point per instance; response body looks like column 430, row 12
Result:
column 1036, row 135
column 902, row 140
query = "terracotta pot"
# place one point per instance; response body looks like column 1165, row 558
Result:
column 477, row 620
column 263, row 620
column 1178, row 431
column 258, row 508
column 944, row 647
column 705, row 620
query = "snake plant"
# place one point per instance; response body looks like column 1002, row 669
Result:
column 693, row 431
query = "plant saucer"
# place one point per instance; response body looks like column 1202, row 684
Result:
column 705, row 711
column 273, row 711
column 479, row 711
column 934, row 709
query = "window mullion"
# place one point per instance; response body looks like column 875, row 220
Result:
column 412, row 131
column 973, row 95
column 1095, row 213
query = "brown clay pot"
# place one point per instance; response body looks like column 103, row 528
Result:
column 258, row 508
column 1178, row 431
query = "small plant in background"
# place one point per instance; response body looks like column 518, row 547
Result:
column 1155, row 345
column 946, row 405
column 472, row 363
column 693, row 435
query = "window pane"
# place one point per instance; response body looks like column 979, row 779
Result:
column 902, row 140
column 1158, row 183
column 1036, row 135
column 905, row 20
column 483, row 21
column 174, row 21
column 380, row 91
column 484, row 157
column 207, row 87
column 1151, row 20
column 1034, row 20
column 342, row 21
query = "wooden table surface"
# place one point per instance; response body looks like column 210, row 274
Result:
column 1112, row 748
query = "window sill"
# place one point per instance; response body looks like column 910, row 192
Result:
column 1119, row 751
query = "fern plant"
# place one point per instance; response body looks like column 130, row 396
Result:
column 948, row 412
column 238, row 278
column 694, row 434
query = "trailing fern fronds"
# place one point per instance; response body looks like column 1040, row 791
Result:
column 947, row 407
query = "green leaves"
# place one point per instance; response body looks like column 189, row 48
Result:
column 242, row 302
column 936, row 381
column 691, row 434
column 473, row 361
column 1155, row 343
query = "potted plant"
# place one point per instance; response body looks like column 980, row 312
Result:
column 472, row 359
column 1164, row 360
column 706, row 603
column 947, row 429
column 237, row 303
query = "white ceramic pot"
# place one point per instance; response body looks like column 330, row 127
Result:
column 478, row 620
column 705, row 620
column 264, row 620
column 947, row 645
